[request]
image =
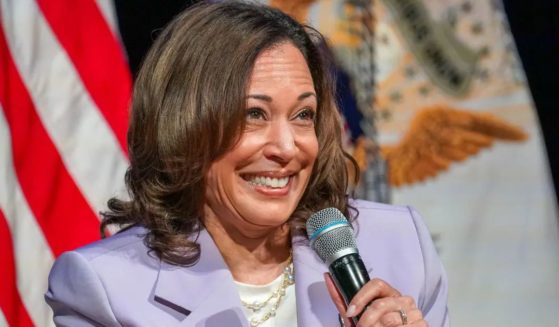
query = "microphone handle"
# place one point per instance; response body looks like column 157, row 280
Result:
column 349, row 275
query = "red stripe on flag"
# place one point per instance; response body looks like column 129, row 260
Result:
column 97, row 55
column 65, row 217
column 10, row 301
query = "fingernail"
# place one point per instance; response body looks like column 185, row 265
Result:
column 350, row 311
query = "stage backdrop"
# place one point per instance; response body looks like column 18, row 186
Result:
column 457, row 137
column 444, row 123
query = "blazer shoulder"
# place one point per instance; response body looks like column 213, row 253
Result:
column 104, row 281
column 77, row 295
column 375, row 215
column 115, row 258
column 389, row 225
column 128, row 240
column 396, row 243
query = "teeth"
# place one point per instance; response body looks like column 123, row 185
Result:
column 269, row 181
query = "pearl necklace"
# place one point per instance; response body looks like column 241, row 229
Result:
column 274, row 299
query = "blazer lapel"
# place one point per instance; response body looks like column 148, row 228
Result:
column 314, row 305
column 203, row 294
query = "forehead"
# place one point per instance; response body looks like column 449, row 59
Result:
column 283, row 63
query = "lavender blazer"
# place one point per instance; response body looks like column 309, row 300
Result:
column 114, row 282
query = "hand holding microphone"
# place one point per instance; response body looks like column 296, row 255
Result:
column 359, row 300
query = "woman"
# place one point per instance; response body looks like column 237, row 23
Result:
column 234, row 142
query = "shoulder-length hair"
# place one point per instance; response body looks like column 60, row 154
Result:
column 188, row 109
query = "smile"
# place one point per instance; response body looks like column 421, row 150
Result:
column 271, row 182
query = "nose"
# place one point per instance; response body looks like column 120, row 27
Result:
column 281, row 142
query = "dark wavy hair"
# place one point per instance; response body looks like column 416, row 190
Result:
column 188, row 109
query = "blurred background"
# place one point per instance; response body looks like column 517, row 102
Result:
column 448, row 106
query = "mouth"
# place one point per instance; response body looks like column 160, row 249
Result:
column 267, row 181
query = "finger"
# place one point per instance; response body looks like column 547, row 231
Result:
column 394, row 318
column 337, row 298
column 374, row 289
column 391, row 312
column 378, row 309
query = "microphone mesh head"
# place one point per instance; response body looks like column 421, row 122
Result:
column 331, row 234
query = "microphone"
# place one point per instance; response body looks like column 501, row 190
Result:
column 331, row 237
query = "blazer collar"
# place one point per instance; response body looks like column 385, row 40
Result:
column 207, row 289
column 203, row 290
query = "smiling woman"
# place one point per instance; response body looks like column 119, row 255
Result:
column 234, row 141
column 208, row 83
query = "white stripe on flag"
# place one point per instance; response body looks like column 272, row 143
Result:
column 3, row 321
column 33, row 258
column 66, row 109
column 108, row 10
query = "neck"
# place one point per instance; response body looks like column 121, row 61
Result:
column 256, row 257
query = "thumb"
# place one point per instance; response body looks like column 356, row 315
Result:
column 337, row 299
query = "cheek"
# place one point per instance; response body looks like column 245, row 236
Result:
column 244, row 150
column 218, row 175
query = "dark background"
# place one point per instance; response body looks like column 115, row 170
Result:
column 535, row 27
column 534, row 24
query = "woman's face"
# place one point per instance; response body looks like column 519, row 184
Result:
column 258, row 184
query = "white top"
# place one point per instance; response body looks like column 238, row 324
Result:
column 286, row 314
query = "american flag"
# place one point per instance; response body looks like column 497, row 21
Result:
column 64, row 95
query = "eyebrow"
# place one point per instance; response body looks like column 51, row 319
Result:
column 269, row 99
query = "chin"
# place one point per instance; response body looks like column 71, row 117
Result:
column 272, row 217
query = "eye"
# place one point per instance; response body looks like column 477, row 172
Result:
column 306, row 114
column 255, row 114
